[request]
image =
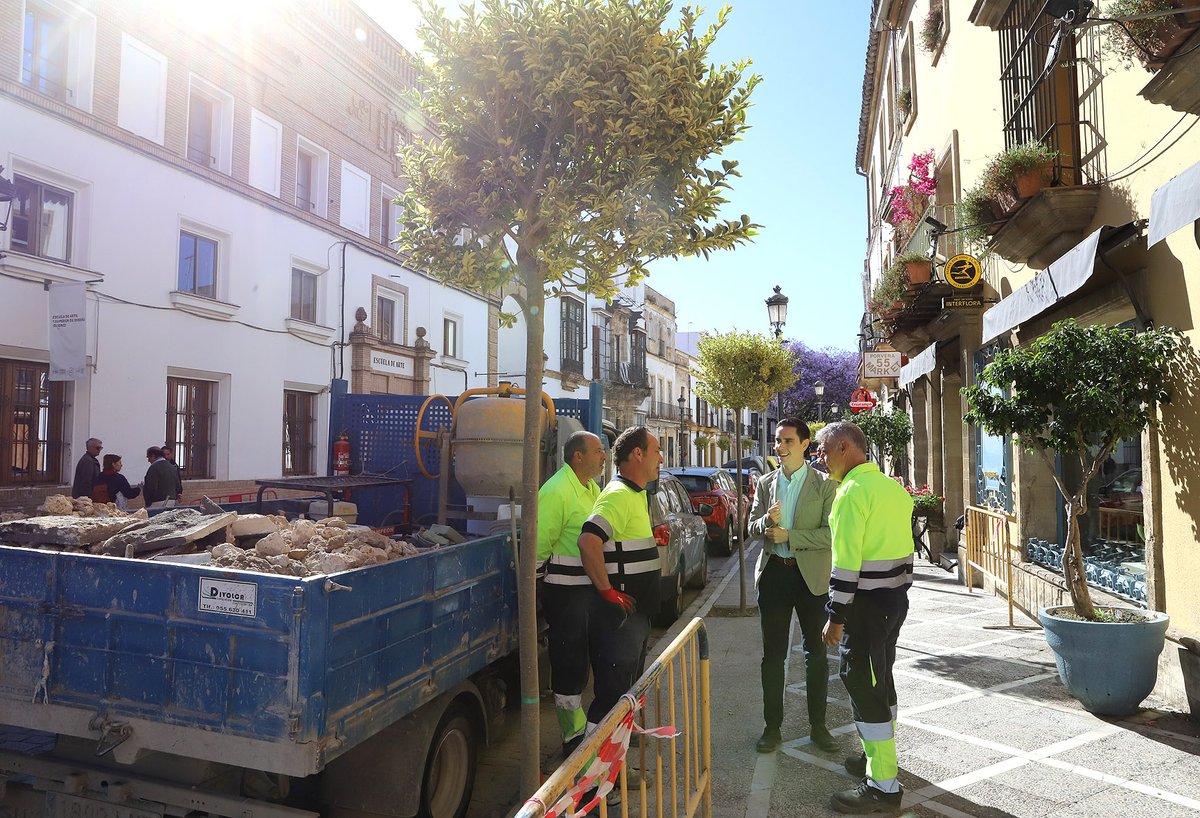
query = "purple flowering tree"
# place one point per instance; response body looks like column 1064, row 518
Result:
column 837, row 368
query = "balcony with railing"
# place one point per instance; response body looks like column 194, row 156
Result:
column 1173, row 43
column 663, row 410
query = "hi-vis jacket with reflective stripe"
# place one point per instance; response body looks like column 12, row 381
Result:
column 621, row 518
column 871, row 527
column 563, row 505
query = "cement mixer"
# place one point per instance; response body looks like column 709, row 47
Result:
column 485, row 442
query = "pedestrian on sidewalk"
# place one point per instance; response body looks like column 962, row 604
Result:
column 620, row 558
column 87, row 470
column 791, row 513
column 868, row 600
column 569, row 600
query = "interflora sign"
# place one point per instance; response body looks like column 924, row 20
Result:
column 862, row 400
column 881, row 364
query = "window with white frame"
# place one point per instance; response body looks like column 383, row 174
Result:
column 142, row 98
column 356, row 200
column 58, row 51
column 210, row 126
column 390, row 319
column 451, row 327
column 304, row 295
column 389, row 214
column 198, row 264
column 571, row 328
column 312, row 177
column 41, row 219
column 266, row 145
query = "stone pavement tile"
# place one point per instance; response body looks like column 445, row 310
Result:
column 1141, row 758
column 930, row 758
column 948, row 637
column 1008, row 722
column 976, row 671
column 914, row 692
column 1051, row 783
column 1116, row 801
column 1047, row 691
column 995, row 795
column 1021, row 650
column 804, row 789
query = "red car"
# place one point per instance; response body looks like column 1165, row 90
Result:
column 716, row 488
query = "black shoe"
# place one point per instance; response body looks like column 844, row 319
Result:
column 770, row 740
column 824, row 740
column 865, row 799
column 856, row 765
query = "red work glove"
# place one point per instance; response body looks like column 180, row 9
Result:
column 622, row 600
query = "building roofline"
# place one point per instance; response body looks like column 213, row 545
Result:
column 868, row 92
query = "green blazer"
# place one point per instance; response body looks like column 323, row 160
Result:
column 808, row 534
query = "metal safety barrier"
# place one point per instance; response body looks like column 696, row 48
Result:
column 990, row 550
column 672, row 776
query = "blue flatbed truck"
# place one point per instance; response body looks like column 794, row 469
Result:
column 133, row 688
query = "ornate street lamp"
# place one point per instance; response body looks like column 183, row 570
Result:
column 819, row 391
column 777, row 316
column 682, row 432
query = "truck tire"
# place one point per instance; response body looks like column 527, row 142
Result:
column 450, row 769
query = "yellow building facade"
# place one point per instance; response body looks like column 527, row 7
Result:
column 1110, row 238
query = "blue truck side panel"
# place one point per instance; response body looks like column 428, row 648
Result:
column 316, row 659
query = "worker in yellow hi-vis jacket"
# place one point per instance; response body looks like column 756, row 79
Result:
column 871, row 530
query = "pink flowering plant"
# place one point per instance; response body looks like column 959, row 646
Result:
column 925, row 501
column 907, row 202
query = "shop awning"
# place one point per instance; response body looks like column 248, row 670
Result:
column 1174, row 205
column 922, row 364
column 1063, row 277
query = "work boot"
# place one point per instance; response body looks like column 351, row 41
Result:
column 856, row 765
column 823, row 740
column 865, row 799
column 770, row 740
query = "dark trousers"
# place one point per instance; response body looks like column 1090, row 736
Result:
column 868, row 653
column 585, row 629
column 782, row 590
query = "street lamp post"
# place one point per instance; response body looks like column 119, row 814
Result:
column 819, row 391
column 833, row 413
column 682, row 431
column 777, row 306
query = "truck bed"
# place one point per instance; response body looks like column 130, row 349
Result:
column 275, row 673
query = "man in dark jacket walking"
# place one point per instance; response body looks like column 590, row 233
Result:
column 87, row 470
column 159, row 484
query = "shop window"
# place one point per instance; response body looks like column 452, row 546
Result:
column 993, row 455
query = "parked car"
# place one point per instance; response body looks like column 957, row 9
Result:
column 715, row 487
column 754, row 462
column 746, row 479
column 1124, row 492
column 679, row 533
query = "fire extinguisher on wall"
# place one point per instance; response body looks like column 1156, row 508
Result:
column 341, row 456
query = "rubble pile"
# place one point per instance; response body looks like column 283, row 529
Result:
column 306, row 548
column 59, row 505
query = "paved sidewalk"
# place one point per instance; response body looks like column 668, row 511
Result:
column 986, row 728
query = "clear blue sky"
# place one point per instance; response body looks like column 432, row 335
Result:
column 797, row 162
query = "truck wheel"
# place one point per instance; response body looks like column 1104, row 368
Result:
column 450, row 768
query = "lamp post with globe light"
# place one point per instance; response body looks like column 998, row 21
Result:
column 819, row 391
column 682, row 432
column 777, row 306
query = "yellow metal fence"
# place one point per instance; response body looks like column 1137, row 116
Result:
column 991, row 551
column 670, row 778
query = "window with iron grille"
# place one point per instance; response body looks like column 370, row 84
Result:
column 31, row 417
column 1047, row 109
column 191, row 413
column 572, row 336
column 602, row 347
column 299, row 432
column 44, row 59
column 637, row 356
column 41, row 219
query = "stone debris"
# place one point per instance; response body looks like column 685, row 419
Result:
column 308, row 548
column 171, row 529
column 63, row 530
column 59, row 505
column 250, row 525
column 9, row 516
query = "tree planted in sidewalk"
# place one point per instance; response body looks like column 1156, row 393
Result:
column 1076, row 391
column 742, row 370
column 888, row 430
column 576, row 141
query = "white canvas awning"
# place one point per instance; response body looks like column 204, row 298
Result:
column 1063, row 277
column 923, row 364
column 1174, row 205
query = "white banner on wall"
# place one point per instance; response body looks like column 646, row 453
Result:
column 68, row 332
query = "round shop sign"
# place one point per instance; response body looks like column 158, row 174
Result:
column 963, row 271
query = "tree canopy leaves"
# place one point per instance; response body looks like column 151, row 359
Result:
column 888, row 430
column 742, row 370
column 577, row 138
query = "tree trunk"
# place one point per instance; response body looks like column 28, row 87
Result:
column 535, row 324
column 741, row 529
column 1073, row 570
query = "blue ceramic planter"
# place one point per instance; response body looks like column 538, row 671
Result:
column 1109, row 667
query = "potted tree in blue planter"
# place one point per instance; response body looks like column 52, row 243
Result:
column 1076, row 391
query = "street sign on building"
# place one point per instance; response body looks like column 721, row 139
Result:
column 962, row 302
column 881, row 364
column 861, row 400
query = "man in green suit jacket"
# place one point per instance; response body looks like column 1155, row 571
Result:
column 791, row 515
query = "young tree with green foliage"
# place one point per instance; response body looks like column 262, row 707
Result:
column 576, row 141
column 741, row 370
column 888, row 430
column 1076, row 391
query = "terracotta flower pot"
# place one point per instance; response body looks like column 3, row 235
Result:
column 917, row 272
column 1030, row 184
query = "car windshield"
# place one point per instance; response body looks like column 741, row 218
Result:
column 695, row 482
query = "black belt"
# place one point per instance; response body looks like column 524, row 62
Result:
column 785, row 560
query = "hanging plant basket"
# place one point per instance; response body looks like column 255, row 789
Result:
column 1031, row 184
